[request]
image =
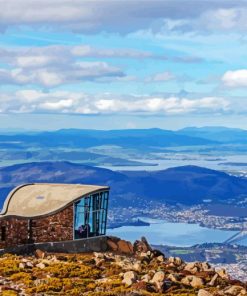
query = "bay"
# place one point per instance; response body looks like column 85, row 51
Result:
column 160, row 232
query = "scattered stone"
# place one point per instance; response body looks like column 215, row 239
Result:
column 40, row 265
column 112, row 245
column 146, row 272
column 146, row 278
column 99, row 255
column 137, row 266
column 176, row 261
column 193, row 281
column 223, row 274
column 235, row 291
column 157, row 253
column 160, row 258
column 39, row 254
column 22, row 265
column 191, row 267
column 174, row 277
column 99, row 261
column 29, row 264
column 104, row 280
column 125, row 247
column 141, row 246
column 129, row 278
column 206, row 267
column 213, row 280
column 203, row 292
column 158, row 277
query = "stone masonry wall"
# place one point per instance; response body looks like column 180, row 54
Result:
column 57, row 227
column 16, row 232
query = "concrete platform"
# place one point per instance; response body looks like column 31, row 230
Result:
column 93, row 244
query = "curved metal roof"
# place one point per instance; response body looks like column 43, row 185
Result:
column 42, row 199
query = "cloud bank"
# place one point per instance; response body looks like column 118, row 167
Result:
column 123, row 16
column 82, row 103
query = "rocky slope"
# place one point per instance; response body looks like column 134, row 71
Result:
column 125, row 270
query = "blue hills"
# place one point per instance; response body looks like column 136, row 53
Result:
column 187, row 185
column 130, row 138
column 220, row 134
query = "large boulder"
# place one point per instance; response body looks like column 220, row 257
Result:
column 116, row 244
column 39, row 254
column 192, row 267
column 193, row 281
column 111, row 245
column 174, row 277
column 142, row 246
column 203, row 292
column 158, row 279
column 129, row 278
column 213, row 280
column 235, row 291
column 223, row 274
column 125, row 247
column 176, row 261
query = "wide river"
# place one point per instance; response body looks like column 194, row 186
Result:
column 174, row 234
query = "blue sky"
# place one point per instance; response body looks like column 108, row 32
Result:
column 122, row 64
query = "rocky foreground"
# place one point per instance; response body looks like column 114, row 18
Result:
column 125, row 270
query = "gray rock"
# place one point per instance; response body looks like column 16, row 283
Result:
column 174, row 277
column 40, row 265
column 203, row 292
column 213, row 280
column 129, row 278
column 22, row 265
column 146, row 278
column 159, row 276
column 235, row 291
column 29, row 264
column 160, row 258
column 193, row 281
column 223, row 274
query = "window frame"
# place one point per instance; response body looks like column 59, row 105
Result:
column 97, row 214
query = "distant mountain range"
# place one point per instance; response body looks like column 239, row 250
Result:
column 219, row 134
column 129, row 138
column 186, row 185
column 132, row 138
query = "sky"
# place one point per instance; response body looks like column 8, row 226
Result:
column 122, row 64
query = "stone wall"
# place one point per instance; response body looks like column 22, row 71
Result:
column 57, row 227
column 16, row 231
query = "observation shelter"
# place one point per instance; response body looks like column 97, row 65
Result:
column 54, row 217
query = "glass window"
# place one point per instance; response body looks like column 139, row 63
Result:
column 90, row 215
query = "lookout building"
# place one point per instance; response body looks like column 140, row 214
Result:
column 53, row 215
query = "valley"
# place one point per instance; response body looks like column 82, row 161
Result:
column 186, row 190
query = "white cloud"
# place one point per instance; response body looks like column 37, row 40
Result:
column 237, row 78
column 114, row 16
column 52, row 66
column 58, row 105
column 34, row 61
column 56, row 74
column 81, row 103
column 170, row 105
column 224, row 19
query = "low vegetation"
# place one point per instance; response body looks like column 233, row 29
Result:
column 107, row 274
